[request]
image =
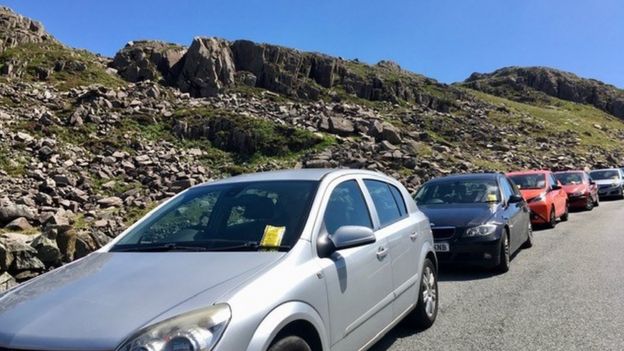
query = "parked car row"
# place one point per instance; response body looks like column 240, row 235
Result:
column 482, row 219
column 296, row 260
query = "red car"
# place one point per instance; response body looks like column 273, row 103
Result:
column 544, row 194
column 582, row 190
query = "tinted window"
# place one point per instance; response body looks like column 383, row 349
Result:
column 385, row 203
column 447, row 191
column 220, row 216
column 346, row 206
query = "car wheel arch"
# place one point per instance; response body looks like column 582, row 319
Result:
column 303, row 329
column 288, row 315
column 431, row 256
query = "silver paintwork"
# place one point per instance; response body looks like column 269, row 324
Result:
column 351, row 299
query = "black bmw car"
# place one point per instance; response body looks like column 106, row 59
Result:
column 476, row 219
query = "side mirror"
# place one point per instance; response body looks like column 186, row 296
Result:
column 555, row 187
column 591, row 182
column 345, row 237
column 514, row 199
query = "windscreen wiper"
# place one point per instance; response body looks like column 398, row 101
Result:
column 160, row 248
column 251, row 246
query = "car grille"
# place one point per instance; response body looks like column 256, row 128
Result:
column 604, row 186
column 443, row 232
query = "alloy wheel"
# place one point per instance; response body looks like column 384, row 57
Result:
column 429, row 291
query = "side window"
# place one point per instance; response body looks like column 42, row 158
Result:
column 385, row 203
column 399, row 199
column 506, row 188
column 346, row 206
column 513, row 186
column 553, row 180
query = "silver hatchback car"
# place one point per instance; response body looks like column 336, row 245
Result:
column 288, row 260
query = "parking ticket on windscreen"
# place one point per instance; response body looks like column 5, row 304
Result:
column 272, row 236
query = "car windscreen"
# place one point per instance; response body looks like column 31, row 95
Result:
column 570, row 178
column 606, row 174
column 226, row 217
column 529, row 181
column 458, row 191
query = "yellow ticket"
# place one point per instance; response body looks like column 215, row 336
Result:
column 492, row 198
column 272, row 236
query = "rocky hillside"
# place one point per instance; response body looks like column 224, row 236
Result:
column 536, row 84
column 88, row 144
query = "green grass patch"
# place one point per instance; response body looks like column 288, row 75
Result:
column 68, row 68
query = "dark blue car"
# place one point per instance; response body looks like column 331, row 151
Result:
column 478, row 219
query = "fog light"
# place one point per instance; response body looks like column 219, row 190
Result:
column 487, row 256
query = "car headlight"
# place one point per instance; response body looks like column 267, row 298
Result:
column 195, row 331
column 481, row 230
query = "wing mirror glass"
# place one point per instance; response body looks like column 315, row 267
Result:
column 345, row 237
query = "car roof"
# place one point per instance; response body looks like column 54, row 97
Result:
column 310, row 174
column 537, row 171
column 570, row 171
column 605, row 169
column 467, row 176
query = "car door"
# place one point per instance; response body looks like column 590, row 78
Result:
column 560, row 195
column 359, row 280
column 401, row 233
column 511, row 213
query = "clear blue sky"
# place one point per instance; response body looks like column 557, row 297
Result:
column 443, row 39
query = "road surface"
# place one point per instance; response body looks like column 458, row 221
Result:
column 564, row 293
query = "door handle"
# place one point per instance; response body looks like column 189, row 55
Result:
column 382, row 252
column 505, row 218
column 413, row 236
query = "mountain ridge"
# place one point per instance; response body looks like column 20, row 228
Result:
column 520, row 83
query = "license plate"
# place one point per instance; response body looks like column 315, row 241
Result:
column 441, row 247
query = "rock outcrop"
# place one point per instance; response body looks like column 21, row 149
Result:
column 16, row 30
column 211, row 65
column 148, row 60
column 517, row 82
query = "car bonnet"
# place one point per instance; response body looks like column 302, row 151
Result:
column 94, row 303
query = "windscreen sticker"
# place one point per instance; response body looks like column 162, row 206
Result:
column 492, row 198
column 272, row 236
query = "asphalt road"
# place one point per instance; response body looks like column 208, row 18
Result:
column 564, row 293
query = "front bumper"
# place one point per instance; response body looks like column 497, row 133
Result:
column 611, row 191
column 484, row 253
column 539, row 212
column 579, row 201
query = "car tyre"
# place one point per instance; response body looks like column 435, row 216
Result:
column 566, row 215
column 426, row 309
column 529, row 241
column 290, row 343
column 505, row 254
column 590, row 204
column 552, row 222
